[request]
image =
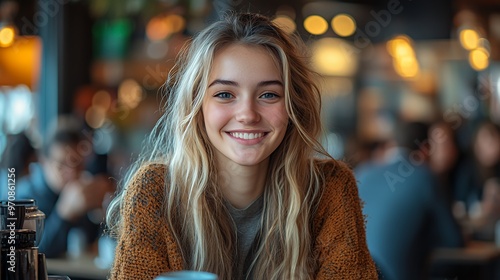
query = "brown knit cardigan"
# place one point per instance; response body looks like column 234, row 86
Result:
column 147, row 247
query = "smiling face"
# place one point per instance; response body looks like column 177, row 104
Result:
column 244, row 107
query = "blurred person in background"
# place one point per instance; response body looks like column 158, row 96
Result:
column 63, row 190
column 407, row 216
column 483, row 164
column 483, row 226
column 19, row 153
column 445, row 158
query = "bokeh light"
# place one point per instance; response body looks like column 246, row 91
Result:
column 469, row 39
column 177, row 22
column 406, row 67
column 102, row 99
column 334, row 57
column 19, row 109
column 344, row 25
column 95, row 116
column 478, row 59
column 315, row 25
column 400, row 46
column 157, row 29
column 403, row 54
column 7, row 35
column 160, row 27
column 130, row 93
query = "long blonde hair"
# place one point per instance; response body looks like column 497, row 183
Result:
column 194, row 205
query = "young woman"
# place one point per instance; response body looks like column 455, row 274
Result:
column 233, row 182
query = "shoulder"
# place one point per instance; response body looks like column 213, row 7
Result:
column 151, row 173
column 147, row 183
column 35, row 178
column 335, row 172
column 34, row 185
column 338, row 227
column 339, row 184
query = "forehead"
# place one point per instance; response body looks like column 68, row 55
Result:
column 67, row 154
column 252, row 62
column 61, row 152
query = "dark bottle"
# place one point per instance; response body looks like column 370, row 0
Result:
column 19, row 256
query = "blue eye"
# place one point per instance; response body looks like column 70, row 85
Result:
column 269, row 95
column 223, row 95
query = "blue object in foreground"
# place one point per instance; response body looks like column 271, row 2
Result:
column 187, row 275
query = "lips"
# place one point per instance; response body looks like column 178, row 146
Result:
column 247, row 135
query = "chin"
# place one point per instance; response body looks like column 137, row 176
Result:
column 245, row 162
column 248, row 162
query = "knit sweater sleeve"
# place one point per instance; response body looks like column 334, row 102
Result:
column 145, row 247
column 340, row 244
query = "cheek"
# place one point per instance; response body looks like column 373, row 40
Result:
column 214, row 117
column 280, row 118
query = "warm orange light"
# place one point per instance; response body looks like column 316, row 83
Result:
column 334, row 57
column 406, row 67
column 315, row 25
column 403, row 56
column 344, row 25
column 102, row 99
column 157, row 29
column 469, row 39
column 400, row 46
column 7, row 35
column 20, row 63
column 95, row 116
column 478, row 59
column 130, row 93
column 160, row 27
column 176, row 22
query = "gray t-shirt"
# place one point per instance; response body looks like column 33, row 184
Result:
column 247, row 223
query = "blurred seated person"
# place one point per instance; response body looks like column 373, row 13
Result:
column 407, row 217
column 483, row 224
column 18, row 154
column 444, row 158
column 484, row 164
column 69, row 196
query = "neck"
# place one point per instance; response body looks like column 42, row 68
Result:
column 242, row 185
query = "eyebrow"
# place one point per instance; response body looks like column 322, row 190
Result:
column 233, row 83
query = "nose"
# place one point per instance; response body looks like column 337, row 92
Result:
column 247, row 112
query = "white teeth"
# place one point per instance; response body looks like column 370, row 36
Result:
column 247, row 135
